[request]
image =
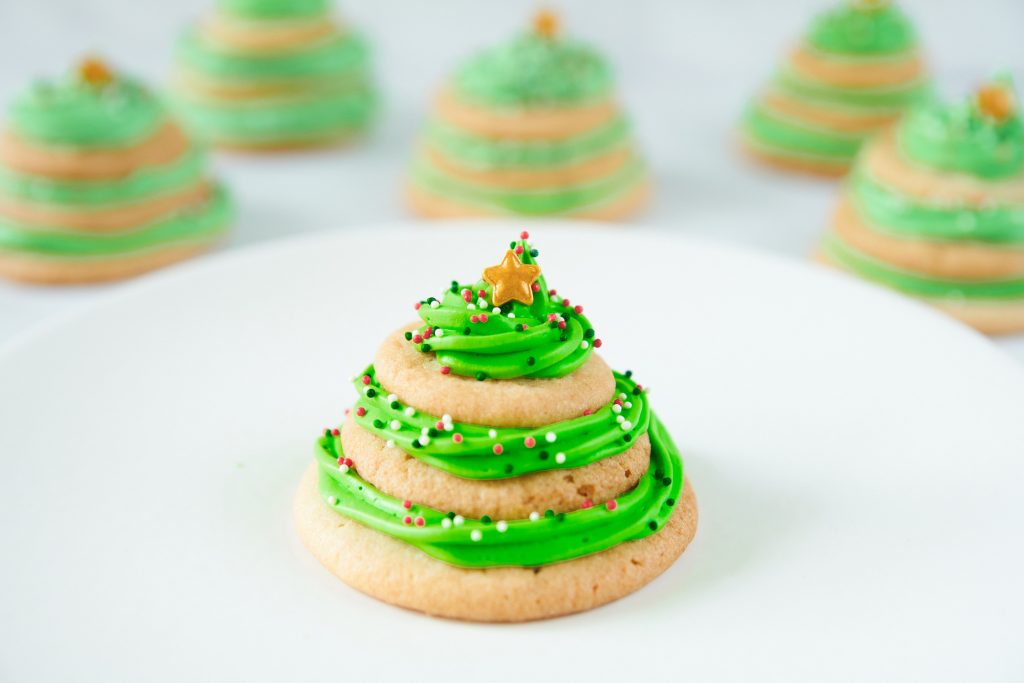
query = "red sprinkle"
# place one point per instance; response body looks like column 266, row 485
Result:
column 498, row 449
column 417, row 339
column 428, row 332
column 407, row 519
column 519, row 249
column 524, row 235
column 529, row 442
column 551, row 317
column 474, row 318
column 483, row 317
column 597, row 343
column 561, row 325
column 481, row 293
column 420, row 521
column 535, row 287
column 457, row 438
column 611, row 504
column 525, row 327
column 407, row 504
column 565, row 302
column 617, row 401
column 445, row 370
column 366, row 380
column 587, row 503
column 335, row 432
column 467, row 295
column 416, row 306
column 360, row 411
column 350, row 462
column 577, row 308
column 552, row 292
column 588, row 411
column 439, row 425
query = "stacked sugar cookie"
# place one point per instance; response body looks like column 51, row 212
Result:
column 99, row 182
column 493, row 467
column 529, row 127
column 274, row 74
column 935, row 208
column 855, row 70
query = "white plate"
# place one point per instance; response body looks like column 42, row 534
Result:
column 857, row 458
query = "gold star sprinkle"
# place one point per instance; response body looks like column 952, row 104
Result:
column 995, row 101
column 512, row 280
column 545, row 24
column 95, row 71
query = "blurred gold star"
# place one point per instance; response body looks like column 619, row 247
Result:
column 95, row 71
column 511, row 280
column 995, row 101
column 545, row 23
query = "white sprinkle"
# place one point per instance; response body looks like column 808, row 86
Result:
column 471, row 307
column 434, row 304
column 459, row 520
column 446, row 418
column 619, row 419
column 392, row 398
column 475, row 535
column 492, row 433
column 446, row 523
column 331, row 500
column 495, row 310
column 511, row 314
column 584, row 344
column 622, row 396
column 425, row 430
column 616, row 408
column 395, row 424
column 550, row 437
column 390, row 443
column 628, row 404
column 410, row 411
column 559, row 458
column 424, row 440
column 438, row 333
column 343, row 469
column 627, row 425
column 482, row 303
column 448, row 427
column 502, row 527
column 534, row 516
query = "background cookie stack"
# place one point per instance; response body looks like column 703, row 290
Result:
column 529, row 127
column 274, row 74
column 494, row 468
column 98, row 182
column 935, row 209
column 854, row 71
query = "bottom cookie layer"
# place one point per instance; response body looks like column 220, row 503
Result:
column 41, row 270
column 793, row 163
column 399, row 574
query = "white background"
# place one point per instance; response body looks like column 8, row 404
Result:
column 685, row 70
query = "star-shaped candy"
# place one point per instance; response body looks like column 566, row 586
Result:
column 511, row 280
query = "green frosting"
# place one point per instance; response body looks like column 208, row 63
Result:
column 468, row 450
column 565, row 200
column 481, row 152
column 875, row 100
column 273, row 9
column 785, row 136
column 535, row 70
column 961, row 138
column 342, row 57
column 915, row 283
column 552, row 537
column 72, row 112
column 196, row 224
column 892, row 212
column 140, row 185
column 542, row 339
column 862, row 28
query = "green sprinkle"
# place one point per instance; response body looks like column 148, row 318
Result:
column 666, row 481
column 371, row 392
column 395, row 405
column 670, row 502
column 549, row 513
column 588, row 333
column 425, row 348
column 408, row 336
column 653, row 525
column 481, row 376
column 531, row 361
column 508, row 469
column 466, row 331
column 544, row 455
column 485, row 519
column 378, row 424
column 432, row 432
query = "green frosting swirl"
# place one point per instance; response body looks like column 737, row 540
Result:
column 273, row 9
column 861, row 28
column 895, row 213
column 481, row 152
column 200, row 223
column 918, row 284
column 783, row 135
column 72, row 112
column 960, row 138
column 552, row 537
column 140, row 185
column 535, row 70
column 468, row 450
column 542, row 339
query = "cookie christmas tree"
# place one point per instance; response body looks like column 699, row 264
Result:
column 935, row 208
column 855, row 71
column 529, row 127
column 274, row 74
column 493, row 467
column 98, row 181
